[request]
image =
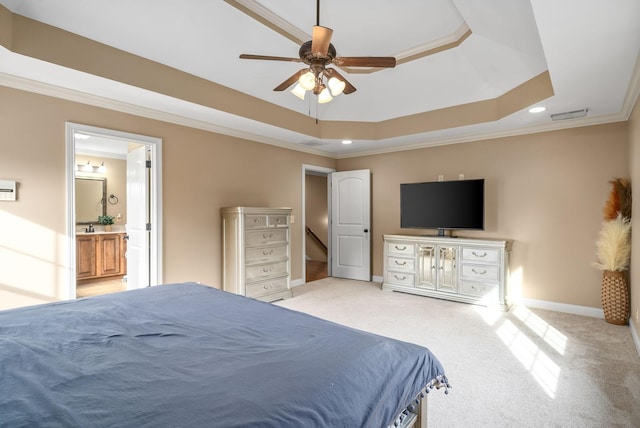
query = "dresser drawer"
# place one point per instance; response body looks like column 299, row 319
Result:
column 277, row 221
column 400, row 278
column 265, row 270
column 396, row 248
column 258, row 237
column 258, row 289
column 265, row 253
column 397, row 263
column 486, row 255
column 481, row 272
column 254, row 221
column 488, row 291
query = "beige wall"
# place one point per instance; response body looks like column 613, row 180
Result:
column 634, row 161
column 544, row 191
column 202, row 172
column 315, row 189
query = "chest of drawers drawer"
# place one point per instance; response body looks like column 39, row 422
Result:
column 261, row 237
column 400, row 249
column 253, row 221
column 400, row 278
column 480, row 272
column 258, row 254
column 484, row 255
column 262, row 288
column 401, row 264
column 265, row 270
column 477, row 289
column 277, row 221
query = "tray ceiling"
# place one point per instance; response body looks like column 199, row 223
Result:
column 466, row 70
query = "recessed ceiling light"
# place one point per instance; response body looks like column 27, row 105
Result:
column 347, row 141
column 539, row 109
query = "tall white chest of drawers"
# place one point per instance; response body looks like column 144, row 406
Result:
column 256, row 252
column 465, row 270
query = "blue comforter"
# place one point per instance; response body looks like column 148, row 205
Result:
column 186, row 355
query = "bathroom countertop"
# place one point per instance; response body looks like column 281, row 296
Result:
column 99, row 232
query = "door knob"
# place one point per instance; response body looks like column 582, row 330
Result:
column 366, row 230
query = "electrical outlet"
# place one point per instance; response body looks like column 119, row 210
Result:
column 441, row 177
column 460, row 176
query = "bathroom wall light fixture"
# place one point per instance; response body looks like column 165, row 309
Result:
column 87, row 167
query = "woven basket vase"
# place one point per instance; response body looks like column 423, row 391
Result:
column 616, row 302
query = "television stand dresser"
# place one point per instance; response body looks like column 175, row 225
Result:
column 459, row 269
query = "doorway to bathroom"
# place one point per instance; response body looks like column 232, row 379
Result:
column 115, row 229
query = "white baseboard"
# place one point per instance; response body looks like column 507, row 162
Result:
column 376, row 279
column 297, row 282
column 563, row 307
column 634, row 335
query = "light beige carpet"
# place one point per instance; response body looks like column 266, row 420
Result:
column 525, row 368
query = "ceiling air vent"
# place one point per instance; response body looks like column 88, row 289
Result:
column 313, row 143
column 570, row 114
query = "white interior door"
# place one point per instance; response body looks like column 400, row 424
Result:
column 351, row 228
column 137, row 219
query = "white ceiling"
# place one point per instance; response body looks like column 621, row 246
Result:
column 589, row 47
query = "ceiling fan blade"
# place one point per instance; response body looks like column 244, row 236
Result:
column 348, row 88
column 320, row 40
column 270, row 58
column 291, row 80
column 365, row 61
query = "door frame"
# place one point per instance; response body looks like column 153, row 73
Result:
column 319, row 170
column 155, row 146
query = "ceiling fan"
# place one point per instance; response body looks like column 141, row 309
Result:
column 318, row 53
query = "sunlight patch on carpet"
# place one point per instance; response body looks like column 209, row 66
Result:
column 541, row 367
column 543, row 329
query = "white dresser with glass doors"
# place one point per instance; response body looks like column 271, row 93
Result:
column 256, row 252
column 460, row 269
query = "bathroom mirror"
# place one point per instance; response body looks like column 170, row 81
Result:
column 90, row 199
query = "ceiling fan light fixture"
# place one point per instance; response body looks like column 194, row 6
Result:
column 299, row 91
column 324, row 96
column 336, row 86
column 307, row 81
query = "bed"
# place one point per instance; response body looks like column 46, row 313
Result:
column 188, row 355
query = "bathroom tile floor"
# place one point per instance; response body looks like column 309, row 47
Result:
column 95, row 288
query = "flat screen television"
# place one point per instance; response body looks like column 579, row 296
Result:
column 442, row 205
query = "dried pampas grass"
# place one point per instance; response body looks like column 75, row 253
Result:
column 619, row 199
column 613, row 248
